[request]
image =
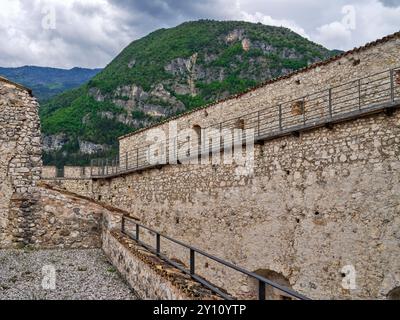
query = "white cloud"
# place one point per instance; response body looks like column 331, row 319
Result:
column 85, row 33
column 268, row 20
column 371, row 20
column 334, row 35
column 91, row 33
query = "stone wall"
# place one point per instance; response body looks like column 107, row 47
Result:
column 78, row 186
column 67, row 172
column 318, row 203
column 65, row 220
column 49, row 172
column 315, row 204
column 20, row 162
column 76, row 172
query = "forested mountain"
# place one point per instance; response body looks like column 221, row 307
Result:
column 166, row 73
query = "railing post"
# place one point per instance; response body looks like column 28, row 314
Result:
column 258, row 123
column 123, row 224
column 126, row 160
column 107, row 167
column 167, row 151
column 221, row 141
column 330, row 103
column 261, row 290
column 137, row 232
column 176, row 149
column 192, row 262
column 359, row 94
column 91, row 167
column 392, row 85
column 304, row 111
column 137, row 158
column 280, row 117
column 158, row 243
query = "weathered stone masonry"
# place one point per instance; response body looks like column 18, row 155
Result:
column 20, row 163
column 316, row 203
column 31, row 213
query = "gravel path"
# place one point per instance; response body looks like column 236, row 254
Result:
column 80, row 275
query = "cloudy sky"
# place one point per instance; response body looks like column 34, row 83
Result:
column 90, row 33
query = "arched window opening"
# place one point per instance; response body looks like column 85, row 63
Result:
column 197, row 142
column 394, row 294
column 197, row 131
column 270, row 292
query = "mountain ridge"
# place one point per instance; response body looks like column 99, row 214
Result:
column 166, row 73
column 47, row 82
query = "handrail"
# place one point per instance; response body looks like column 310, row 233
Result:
column 193, row 251
column 318, row 108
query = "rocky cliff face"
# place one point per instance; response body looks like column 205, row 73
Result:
column 166, row 73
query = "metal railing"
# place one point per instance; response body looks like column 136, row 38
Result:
column 263, row 282
column 346, row 101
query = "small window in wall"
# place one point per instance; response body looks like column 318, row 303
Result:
column 394, row 294
column 298, row 107
column 270, row 293
column 240, row 124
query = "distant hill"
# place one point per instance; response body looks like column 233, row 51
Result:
column 48, row 82
column 164, row 74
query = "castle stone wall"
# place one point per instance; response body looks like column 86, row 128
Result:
column 20, row 163
column 49, row 172
column 316, row 204
column 68, row 172
column 320, row 211
column 66, row 221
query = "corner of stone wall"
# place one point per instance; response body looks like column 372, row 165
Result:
column 20, row 164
